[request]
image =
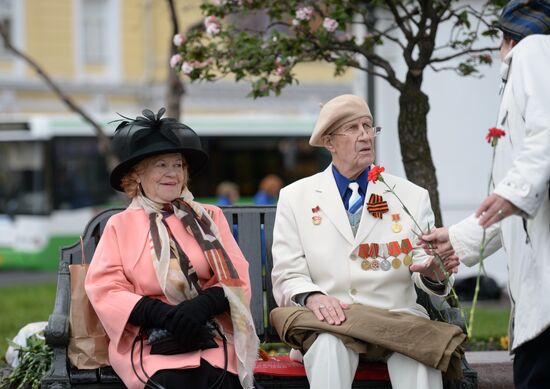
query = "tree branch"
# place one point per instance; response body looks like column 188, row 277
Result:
column 461, row 53
column 103, row 140
column 406, row 31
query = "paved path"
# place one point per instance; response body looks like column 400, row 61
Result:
column 494, row 369
column 20, row 277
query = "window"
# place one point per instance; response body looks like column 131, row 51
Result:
column 80, row 174
column 94, row 31
column 22, row 178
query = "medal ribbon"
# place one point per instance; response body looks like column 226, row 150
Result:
column 377, row 206
column 373, row 250
column 393, row 248
column 364, row 250
column 406, row 246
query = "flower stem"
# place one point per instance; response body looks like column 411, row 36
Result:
column 482, row 246
column 436, row 255
column 430, row 246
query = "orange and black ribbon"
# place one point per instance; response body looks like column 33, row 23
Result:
column 377, row 206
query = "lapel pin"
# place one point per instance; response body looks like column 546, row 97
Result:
column 316, row 218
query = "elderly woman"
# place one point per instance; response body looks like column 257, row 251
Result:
column 168, row 281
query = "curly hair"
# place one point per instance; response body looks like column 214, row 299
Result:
column 129, row 183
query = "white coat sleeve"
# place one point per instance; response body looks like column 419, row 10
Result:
column 526, row 183
column 290, row 273
column 466, row 237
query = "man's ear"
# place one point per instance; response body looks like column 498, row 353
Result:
column 327, row 142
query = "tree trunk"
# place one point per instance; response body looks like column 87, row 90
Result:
column 413, row 139
column 174, row 85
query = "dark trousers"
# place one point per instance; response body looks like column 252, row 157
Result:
column 202, row 377
column 532, row 363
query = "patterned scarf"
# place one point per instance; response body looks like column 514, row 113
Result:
column 179, row 280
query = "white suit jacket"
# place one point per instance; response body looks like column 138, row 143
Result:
column 521, row 172
column 325, row 257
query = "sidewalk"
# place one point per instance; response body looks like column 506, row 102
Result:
column 494, row 369
column 25, row 277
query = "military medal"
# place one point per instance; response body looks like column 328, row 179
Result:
column 316, row 219
column 396, row 263
column 368, row 250
column 396, row 227
column 384, row 263
column 374, row 264
column 406, row 248
column 364, row 251
column 394, row 251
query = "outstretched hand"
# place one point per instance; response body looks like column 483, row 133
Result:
column 431, row 268
column 437, row 242
column 327, row 308
column 493, row 209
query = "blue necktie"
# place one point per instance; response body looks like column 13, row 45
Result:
column 356, row 200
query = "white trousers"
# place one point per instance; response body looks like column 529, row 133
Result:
column 330, row 364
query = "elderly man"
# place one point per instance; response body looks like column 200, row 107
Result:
column 517, row 213
column 340, row 240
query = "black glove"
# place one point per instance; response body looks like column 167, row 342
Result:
column 150, row 313
column 210, row 302
column 187, row 322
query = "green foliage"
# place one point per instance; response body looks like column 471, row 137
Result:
column 21, row 305
column 35, row 361
column 305, row 31
column 491, row 323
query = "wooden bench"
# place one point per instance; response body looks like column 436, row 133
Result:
column 249, row 222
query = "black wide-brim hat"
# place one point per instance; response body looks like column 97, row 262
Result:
column 146, row 136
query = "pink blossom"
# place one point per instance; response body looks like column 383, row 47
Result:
column 179, row 39
column 175, row 60
column 330, row 24
column 212, row 25
column 187, row 67
column 280, row 70
column 304, row 13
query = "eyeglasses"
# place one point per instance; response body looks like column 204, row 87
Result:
column 356, row 130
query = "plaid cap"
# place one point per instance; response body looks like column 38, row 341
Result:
column 520, row 18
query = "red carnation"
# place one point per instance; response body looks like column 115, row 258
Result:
column 494, row 135
column 375, row 174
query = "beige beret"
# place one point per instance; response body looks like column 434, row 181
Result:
column 339, row 110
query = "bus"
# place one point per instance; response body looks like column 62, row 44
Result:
column 53, row 178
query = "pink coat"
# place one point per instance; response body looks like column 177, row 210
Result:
column 122, row 272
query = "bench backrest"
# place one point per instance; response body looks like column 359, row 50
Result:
column 253, row 228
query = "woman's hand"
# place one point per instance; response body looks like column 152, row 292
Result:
column 327, row 308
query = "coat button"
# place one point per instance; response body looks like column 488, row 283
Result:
column 353, row 291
